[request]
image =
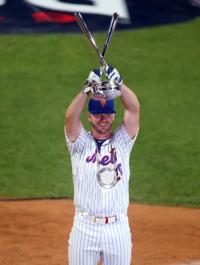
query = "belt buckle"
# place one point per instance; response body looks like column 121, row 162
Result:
column 99, row 220
column 104, row 220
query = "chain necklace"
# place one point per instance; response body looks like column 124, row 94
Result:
column 107, row 176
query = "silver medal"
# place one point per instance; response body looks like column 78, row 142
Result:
column 107, row 177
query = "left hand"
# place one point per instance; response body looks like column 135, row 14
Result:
column 113, row 75
column 110, row 90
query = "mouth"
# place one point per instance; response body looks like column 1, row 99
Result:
column 104, row 125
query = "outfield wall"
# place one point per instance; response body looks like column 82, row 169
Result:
column 25, row 16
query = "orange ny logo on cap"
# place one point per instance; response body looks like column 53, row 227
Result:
column 103, row 102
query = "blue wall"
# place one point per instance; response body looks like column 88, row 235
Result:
column 57, row 15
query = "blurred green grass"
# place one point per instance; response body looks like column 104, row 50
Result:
column 39, row 76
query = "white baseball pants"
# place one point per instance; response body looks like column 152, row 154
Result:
column 89, row 241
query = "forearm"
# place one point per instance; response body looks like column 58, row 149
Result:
column 76, row 106
column 131, row 110
column 129, row 99
column 72, row 116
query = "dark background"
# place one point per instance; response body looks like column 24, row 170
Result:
column 16, row 16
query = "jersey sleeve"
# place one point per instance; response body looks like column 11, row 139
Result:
column 78, row 145
column 123, row 139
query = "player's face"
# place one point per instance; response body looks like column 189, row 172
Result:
column 101, row 123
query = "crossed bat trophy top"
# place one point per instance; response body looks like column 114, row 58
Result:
column 110, row 88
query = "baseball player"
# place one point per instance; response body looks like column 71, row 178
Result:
column 100, row 168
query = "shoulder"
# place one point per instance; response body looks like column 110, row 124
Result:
column 122, row 138
column 81, row 141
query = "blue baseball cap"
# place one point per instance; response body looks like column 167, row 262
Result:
column 101, row 107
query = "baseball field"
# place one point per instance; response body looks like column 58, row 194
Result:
column 39, row 76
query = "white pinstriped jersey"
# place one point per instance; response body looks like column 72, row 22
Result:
column 89, row 196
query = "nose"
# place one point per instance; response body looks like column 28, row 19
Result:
column 103, row 117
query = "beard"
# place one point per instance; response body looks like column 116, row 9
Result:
column 101, row 130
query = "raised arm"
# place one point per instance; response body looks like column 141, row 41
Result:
column 129, row 101
column 72, row 116
column 131, row 110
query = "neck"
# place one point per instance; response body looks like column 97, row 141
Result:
column 100, row 136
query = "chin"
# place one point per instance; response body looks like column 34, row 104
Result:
column 104, row 131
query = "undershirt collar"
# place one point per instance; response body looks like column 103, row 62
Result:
column 100, row 142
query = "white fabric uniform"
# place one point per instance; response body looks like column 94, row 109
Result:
column 89, row 240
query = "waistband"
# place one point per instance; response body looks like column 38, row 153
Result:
column 100, row 219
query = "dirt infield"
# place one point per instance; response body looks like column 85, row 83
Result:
column 35, row 233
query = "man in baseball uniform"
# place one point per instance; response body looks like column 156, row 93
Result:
column 100, row 169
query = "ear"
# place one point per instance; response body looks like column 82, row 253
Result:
column 89, row 116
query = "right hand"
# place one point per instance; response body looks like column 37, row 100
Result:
column 93, row 78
